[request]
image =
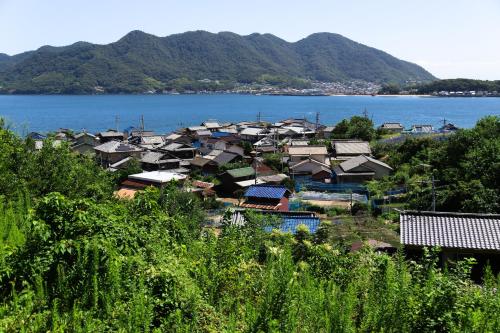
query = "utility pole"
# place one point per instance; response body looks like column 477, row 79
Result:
column 256, row 166
column 142, row 125
column 317, row 122
column 258, row 117
column 365, row 113
column 117, row 118
column 433, row 194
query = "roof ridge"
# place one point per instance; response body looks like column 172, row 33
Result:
column 423, row 212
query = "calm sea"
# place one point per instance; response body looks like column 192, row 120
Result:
column 163, row 113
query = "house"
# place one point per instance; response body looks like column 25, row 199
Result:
column 230, row 178
column 201, row 134
column 299, row 131
column 360, row 169
column 36, row 136
column 149, row 142
column 301, row 153
column 421, row 129
column 111, row 135
column 193, row 129
column 459, row 235
column 345, row 149
column 267, row 197
column 84, row 149
column 179, row 150
column 86, row 138
column 113, row 151
column 392, row 127
column 253, row 134
column 213, row 143
column 152, row 161
column 140, row 181
column 298, row 122
column 312, row 167
column 211, row 125
column 84, row 143
column 327, row 131
column 266, row 144
column 210, row 164
column 448, row 128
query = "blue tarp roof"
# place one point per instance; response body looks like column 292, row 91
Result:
column 290, row 224
column 266, row 191
column 220, row 134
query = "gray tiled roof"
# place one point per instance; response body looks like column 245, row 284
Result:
column 352, row 147
column 151, row 157
column 355, row 162
column 450, row 230
column 117, row 146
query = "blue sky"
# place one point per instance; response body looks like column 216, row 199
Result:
column 450, row 38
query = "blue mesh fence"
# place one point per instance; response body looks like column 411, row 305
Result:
column 307, row 183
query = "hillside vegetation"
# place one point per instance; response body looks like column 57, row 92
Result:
column 139, row 62
column 73, row 258
column 464, row 85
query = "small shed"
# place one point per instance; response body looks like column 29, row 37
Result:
column 267, row 197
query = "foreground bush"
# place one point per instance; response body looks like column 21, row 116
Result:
column 145, row 265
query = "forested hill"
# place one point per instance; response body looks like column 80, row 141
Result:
column 139, row 62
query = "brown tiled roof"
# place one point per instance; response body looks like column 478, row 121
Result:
column 307, row 150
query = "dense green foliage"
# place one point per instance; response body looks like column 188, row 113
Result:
column 141, row 62
column 75, row 261
column 466, row 166
column 357, row 127
column 390, row 89
column 52, row 169
column 459, row 85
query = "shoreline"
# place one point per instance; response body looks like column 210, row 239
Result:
column 225, row 93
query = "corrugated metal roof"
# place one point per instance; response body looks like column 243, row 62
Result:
column 241, row 172
column 252, row 131
column 250, row 182
column 266, row 191
column 451, row 230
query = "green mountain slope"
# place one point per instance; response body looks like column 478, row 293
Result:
column 140, row 61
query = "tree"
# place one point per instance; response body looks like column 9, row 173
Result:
column 357, row 127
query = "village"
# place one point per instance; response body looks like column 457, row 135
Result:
column 291, row 170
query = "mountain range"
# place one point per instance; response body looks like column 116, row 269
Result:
column 140, row 62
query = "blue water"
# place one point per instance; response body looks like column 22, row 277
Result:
column 163, row 113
